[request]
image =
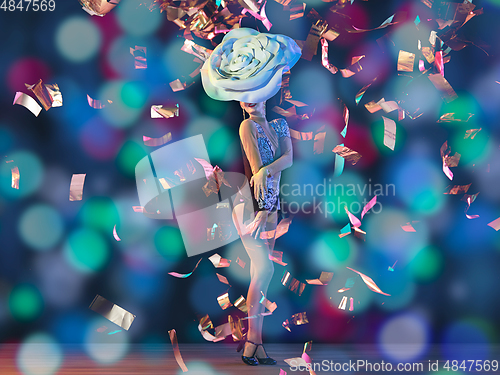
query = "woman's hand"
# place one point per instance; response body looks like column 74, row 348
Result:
column 259, row 183
column 258, row 225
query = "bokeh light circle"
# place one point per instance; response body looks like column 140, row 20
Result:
column 420, row 185
column 78, row 39
column 25, row 302
column 387, row 236
column 331, row 252
column 41, row 227
column 39, row 354
column 168, row 242
column 405, row 337
column 102, row 348
column 31, row 172
column 466, row 340
column 86, row 250
column 138, row 20
column 100, row 213
column 128, row 99
column 427, row 264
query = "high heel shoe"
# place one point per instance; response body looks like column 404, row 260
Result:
column 251, row 361
column 268, row 361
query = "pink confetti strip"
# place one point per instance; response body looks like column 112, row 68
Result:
column 222, row 279
column 153, row 142
column 353, row 219
column 183, row 276
column 115, row 235
column 408, row 227
column 240, row 263
column 15, row 177
column 97, row 104
column 369, row 206
column 495, row 224
column 369, row 282
column 27, row 102
column 76, row 187
column 207, row 167
column 177, row 353
column 351, row 302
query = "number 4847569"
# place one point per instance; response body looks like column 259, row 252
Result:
column 27, row 5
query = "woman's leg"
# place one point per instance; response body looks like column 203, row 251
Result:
column 261, row 272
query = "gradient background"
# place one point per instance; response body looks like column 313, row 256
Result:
column 56, row 255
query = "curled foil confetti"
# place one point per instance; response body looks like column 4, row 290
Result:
column 369, row 282
column 271, row 306
column 98, row 7
column 15, row 177
column 389, row 133
column 112, row 312
column 236, row 328
column 347, row 154
column 154, row 142
column 324, row 57
column 196, row 50
column 291, row 283
column 138, row 209
column 360, row 93
column 179, row 85
column 323, row 279
column 55, row 93
column 220, row 331
column 311, row 44
column 296, row 10
column 389, row 106
column 471, row 133
column 177, row 353
column 448, row 161
column 224, row 301
column 42, row 94
column 241, row 304
column 222, row 279
column 299, row 319
column 455, row 117
column 183, row 276
column 115, row 235
column 342, row 290
column 457, row 189
column 277, row 257
column 408, row 227
column 447, row 92
column 495, row 224
column 139, row 53
column 97, row 104
column 159, row 111
column 219, row 262
column 27, row 102
column 406, row 61
column 392, row 20
column 469, row 198
column 76, row 187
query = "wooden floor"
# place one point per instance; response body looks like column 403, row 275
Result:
column 204, row 359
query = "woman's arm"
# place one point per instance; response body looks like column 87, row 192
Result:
column 285, row 160
column 248, row 137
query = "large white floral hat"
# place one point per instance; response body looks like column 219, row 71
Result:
column 247, row 65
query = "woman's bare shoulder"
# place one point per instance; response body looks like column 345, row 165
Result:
column 247, row 126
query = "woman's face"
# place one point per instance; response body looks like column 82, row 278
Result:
column 254, row 108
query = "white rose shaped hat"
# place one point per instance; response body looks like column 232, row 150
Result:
column 248, row 66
